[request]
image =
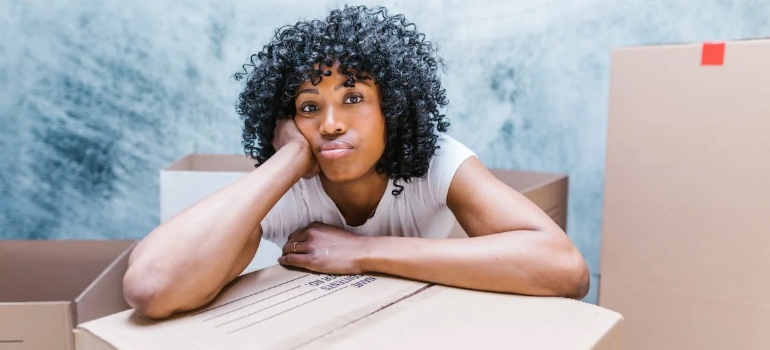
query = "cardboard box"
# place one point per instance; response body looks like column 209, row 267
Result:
column 196, row 176
column 49, row 287
column 686, row 237
column 279, row 308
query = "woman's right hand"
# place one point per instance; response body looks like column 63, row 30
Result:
column 286, row 131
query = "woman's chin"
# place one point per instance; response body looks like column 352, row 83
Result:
column 339, row 175
column 337, row 178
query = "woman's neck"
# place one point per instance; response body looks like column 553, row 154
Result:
column 357, row 200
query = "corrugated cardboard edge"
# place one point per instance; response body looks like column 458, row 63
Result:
column 612, row 340
column 68, row 322
column 85, row 340
column 109, row 284
column 89, row 339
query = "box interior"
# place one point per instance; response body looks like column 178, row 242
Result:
column 32, row 271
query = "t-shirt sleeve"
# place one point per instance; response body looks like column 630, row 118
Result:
column 284, row 217
column 444, row 165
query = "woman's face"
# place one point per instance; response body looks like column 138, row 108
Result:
column 344, row 125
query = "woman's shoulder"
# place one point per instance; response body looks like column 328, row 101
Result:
column 450, row 154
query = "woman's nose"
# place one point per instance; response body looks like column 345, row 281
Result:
column 332, row 123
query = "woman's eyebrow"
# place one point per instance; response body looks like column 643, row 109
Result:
column 309, row 91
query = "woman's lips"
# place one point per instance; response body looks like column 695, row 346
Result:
column 335, row 149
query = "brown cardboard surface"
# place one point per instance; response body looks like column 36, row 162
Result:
column 213, row 162
column 30, row 269
column 278, row 308
column 451, row 318
column 546, row 190
column 46, row 284
column 42, row 325
column 684, row 313
column 685, row 241
column 104, row 295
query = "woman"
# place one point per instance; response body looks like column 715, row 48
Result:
column 354, row 174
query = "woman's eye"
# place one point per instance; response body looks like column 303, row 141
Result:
column 353, row 99
column 308, row 108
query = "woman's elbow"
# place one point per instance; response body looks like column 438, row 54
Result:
column 145, row 297
column 577, row 278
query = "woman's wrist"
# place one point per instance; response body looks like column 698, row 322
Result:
column 373, row 253
column 301, row 156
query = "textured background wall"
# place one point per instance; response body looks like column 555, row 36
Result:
column 97, row 96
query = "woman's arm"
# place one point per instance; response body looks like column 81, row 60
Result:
column 514, row 247
column 186, row 261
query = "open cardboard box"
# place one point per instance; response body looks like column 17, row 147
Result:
column 280, row 308
column 48, row 287
column 686, row 237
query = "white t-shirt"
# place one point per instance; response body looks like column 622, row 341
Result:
column 419, row 211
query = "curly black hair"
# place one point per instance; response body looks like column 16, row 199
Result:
column 389, row 48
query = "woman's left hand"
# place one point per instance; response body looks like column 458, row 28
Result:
column 325, row 249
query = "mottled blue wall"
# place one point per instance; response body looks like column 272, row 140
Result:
column 97, row 96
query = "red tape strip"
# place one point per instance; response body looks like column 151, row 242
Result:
column 713, row 54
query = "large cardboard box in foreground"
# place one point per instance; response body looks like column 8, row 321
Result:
column 48, row 287
column 196, row 176
column 278, row 308
column 686, row 232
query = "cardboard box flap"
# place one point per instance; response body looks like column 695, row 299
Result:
column 257, row 310
column 33, row 271
column 277, row 308
column 35, row 326
column 214, row 163
column 86, row 340
column 440, row 318
column 105, row 294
